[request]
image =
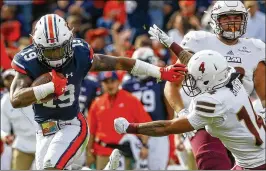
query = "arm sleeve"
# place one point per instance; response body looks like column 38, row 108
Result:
column 84, row 53
column 92, row 120
column 193, row 40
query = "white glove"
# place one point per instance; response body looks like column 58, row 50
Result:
column 159, row 35
column 121, row 125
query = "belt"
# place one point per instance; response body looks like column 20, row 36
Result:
column 50, row 127
column 124, row 148
column 60, row 123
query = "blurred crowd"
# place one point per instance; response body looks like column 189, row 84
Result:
column 116, row 28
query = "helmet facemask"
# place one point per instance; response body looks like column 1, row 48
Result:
column 55, row 57
column 189, row 86
column 233, row 34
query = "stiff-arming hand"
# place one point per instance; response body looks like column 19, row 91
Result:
column 173, row 73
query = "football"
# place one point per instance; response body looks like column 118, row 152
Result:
column 43, row 79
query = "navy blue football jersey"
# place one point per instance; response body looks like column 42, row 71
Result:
column 151, row 94
column 66, row 107
column 88, row 91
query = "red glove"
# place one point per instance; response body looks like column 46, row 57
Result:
column 59, row 84
column 173, row 73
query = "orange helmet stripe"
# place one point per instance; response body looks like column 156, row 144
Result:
column 51, row 29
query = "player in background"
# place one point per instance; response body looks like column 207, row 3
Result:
column 16, row 129
column 220, row 104
column 89, row 90
column 62, row 130
column 151, row 95
column 229, row 20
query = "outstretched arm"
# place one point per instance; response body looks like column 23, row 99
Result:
column 163, row 128
column 136, row 67
column 109, row 63
column 155, row 128
column 183, row 55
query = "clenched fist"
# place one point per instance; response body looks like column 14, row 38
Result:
column 121, row 125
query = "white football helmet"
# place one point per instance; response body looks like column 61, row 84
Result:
column 53, row 40
column 145, row 54
column 221, row 8
column 207, row 70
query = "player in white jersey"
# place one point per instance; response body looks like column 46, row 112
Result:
column 229, row 20
column 221, row 104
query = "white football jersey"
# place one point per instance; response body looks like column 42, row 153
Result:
column 227, row 114
column 245, row 55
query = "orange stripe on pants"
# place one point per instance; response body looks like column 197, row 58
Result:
column 75, row 145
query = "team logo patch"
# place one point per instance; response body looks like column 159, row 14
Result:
column 230, row 53
column 233, row 59
column 244, row 50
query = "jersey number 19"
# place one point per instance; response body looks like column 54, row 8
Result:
column 68, row 96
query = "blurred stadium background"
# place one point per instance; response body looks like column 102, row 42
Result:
column 115, row 28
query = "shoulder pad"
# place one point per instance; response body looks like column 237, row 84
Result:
column 79, row 42
column 83, row 52
column 208, row 106
column 258, row 43
column 82, row 45
column 259, row 47
column 23, row 59
column 198, row 35
column 192, row 40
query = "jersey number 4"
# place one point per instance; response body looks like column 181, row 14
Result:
column 243, row 115
column 66, row 99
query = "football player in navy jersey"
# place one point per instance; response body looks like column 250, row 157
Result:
column 89, row 90
column 151, row 94
column 62, row 130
